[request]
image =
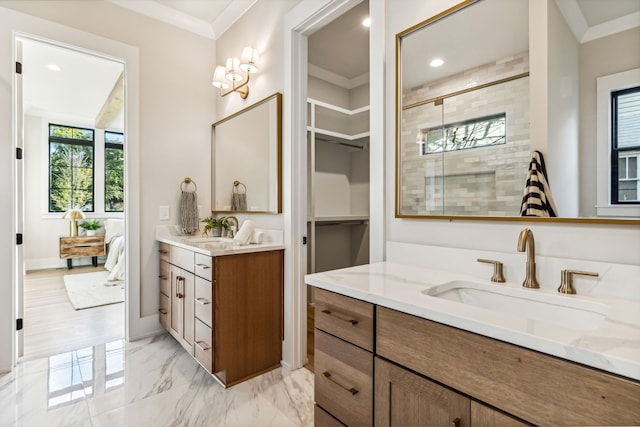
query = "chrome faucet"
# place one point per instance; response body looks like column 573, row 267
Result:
column 526, row 243
column 236, row 225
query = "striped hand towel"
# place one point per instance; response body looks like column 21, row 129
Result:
column 537, row 199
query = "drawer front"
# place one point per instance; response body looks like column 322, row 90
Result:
column 163, row 250
column 203, row 266
column 344, row 317
column 343, row 380
column 203, row 302
column 203, row 345
column 182, row 258
column 322, row 418
column 164, row 310
column 165, row 278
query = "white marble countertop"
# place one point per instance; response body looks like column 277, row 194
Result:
column 213, row 246
column 611, row 344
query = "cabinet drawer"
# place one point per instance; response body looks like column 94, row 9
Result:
column 203, row 267
column 163, row 250
column 322, row 418
column 165, row 307
column 182, row 258
column 165, row 278
column 203, row 302
column 202, row 346
column 343, row 380
column 344, row 317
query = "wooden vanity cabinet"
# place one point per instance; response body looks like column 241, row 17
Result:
column 226, row 311
column 504, row 379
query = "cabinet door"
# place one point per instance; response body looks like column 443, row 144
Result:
column 181, row 320
column 403, row 398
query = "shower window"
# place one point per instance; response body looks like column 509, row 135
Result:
column 477, row 132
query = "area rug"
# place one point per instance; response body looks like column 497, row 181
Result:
column 89, row 290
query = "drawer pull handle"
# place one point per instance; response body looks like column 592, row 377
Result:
column 351, row 390
column 162, row 310
column 163, row 277
column 199, row 345
column 352, row 321
column 203, row 266
column 202, row 301
column 163, row 252
column 456, row 422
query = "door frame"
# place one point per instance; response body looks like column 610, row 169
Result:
column 128, row 55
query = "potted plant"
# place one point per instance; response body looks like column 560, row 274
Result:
column 90, row 226
column 215, row 225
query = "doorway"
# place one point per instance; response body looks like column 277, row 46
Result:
column 74, row 142
column 337, row 149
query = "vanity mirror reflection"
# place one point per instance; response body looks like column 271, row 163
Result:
column 481, row 86
column 247, row 159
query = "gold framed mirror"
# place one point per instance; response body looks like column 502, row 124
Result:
column 466, row 130
column 246, row 163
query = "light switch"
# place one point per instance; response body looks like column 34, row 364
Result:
column 164, row 213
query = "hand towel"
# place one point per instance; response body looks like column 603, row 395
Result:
column 537, row 199
column 244, row 235
column 189, row 212
column 258, row 237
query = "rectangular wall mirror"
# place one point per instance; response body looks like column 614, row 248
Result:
column 484, row 84
column 247, row 159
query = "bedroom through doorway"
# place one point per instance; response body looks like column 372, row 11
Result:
column 74, row 280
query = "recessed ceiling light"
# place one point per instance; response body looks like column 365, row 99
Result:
column 53, row 67
column 436, row 62
column 366, row 22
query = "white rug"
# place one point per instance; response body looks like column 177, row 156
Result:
column 88, row 290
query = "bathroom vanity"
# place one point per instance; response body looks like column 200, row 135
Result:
column 223, row 304
column 395, row 348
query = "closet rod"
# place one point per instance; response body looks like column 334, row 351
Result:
column 346, row 144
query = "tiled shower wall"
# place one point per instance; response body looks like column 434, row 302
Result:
column 478, row 181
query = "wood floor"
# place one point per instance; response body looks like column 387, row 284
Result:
column 52, row 326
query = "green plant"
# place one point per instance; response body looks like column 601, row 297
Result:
column 92, row 224
column 210, row 223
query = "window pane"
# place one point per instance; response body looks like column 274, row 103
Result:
column 114, row 172
column 633, row 167
column 628, row 191
column 628, row 119
column 480, row 132
column 70, row 169
column 622, row 168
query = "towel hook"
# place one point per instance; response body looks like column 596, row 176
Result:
column 188, row 181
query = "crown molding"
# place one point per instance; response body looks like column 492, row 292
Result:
column 584, row 33
column 336, row 79
column 230, row 15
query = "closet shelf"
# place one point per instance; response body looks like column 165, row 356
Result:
column 346, row 219
column 359, row 141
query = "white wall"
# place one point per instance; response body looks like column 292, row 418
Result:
column 613, row 243
column 176, row 109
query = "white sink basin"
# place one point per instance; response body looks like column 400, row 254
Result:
column 194, row 240
column 563, row 310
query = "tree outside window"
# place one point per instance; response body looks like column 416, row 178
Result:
column 114, row 172
column 70, row 168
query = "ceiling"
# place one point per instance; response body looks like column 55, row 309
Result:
column 338, row 52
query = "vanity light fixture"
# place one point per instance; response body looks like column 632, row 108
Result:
column 236, row 73
column 437, row 62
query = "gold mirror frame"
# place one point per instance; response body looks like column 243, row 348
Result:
column 398, row 214
column 278, row 124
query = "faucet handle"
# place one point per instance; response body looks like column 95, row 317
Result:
column 497, row 277
column 566, row 280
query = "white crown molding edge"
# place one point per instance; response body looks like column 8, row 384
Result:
column 574, row 17
column 229, row 16
column 338, row 80
column 614, row 26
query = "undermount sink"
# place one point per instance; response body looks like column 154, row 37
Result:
column 531, row 304
column 191, row 240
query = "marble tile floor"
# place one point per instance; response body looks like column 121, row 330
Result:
column 150, row 382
